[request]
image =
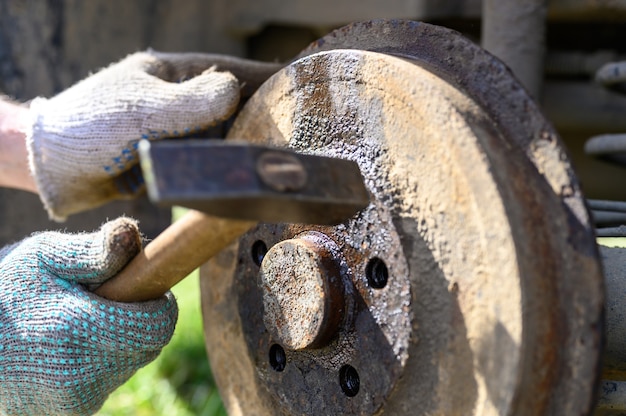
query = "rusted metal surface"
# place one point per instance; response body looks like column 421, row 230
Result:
column 371, row 334
column 493, row 301
column 303, row 291
column 241, row 185
column 245, row 182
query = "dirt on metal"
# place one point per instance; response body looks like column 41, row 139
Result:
column 303, row 292
column 494, row 301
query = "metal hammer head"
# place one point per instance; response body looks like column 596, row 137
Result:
column 242, row 181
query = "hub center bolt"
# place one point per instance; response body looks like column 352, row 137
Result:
column 303, row 291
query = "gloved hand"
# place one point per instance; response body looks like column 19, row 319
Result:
column 83, row 139
column 62, row 348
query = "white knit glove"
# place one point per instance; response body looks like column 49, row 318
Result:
column 83, row 139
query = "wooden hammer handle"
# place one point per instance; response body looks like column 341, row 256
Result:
column 172, row 255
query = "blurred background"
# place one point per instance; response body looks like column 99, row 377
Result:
column 47, row 45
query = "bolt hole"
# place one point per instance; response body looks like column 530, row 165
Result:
column 259, row 250
column 349, row 380
column 377, row 273
column 278, row 358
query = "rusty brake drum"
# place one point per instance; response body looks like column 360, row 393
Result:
column 470, row 285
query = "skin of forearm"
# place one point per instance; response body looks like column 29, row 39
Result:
column 14, row 170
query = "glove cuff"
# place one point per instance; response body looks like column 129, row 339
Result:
column 68, row 170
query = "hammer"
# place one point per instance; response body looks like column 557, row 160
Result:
column 230, row 187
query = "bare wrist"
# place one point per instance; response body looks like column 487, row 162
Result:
column 14, row 125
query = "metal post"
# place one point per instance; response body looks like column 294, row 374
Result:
column 614, row 259
column 514, row 31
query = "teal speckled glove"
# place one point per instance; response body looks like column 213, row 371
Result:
column 63, row 350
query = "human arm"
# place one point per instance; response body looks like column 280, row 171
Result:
column 81, row 144
column 58, row 353
column 62, row 348
column 14, row 171
column 76, row 149
column 145, row 94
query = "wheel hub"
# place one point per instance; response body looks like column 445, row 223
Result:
column 325, row 314
column 469, row 286
column 303, row 291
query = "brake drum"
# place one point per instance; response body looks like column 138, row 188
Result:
column 470, row 285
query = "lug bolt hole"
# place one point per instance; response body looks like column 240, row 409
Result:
column 278, row 358
column 377, row 273
column 259, row 250
column 349, row 380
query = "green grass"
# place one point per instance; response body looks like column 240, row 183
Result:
column 612, row 241
column 179, row 381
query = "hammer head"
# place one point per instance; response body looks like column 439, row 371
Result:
column 249, row 182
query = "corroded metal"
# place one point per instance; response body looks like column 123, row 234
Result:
column 494, row 298
column 303, row 291
column 372, row 336
column 251, row 182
